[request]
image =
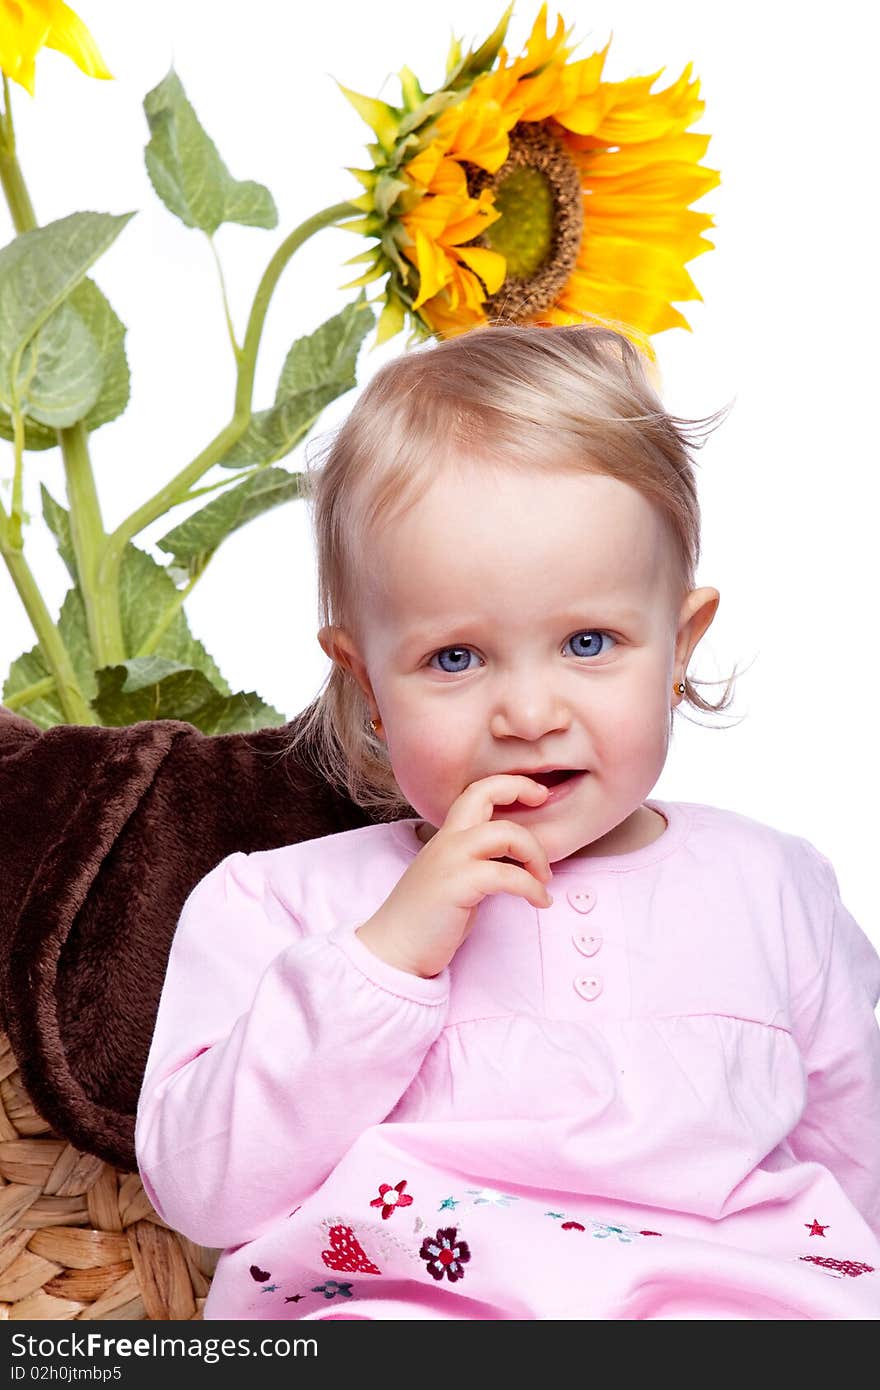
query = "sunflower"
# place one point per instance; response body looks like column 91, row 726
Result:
column 532, row 191
column 26, row 26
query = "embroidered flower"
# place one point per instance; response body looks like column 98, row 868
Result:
column 390, row 1198
column 331, row 1288
column 445, row 1254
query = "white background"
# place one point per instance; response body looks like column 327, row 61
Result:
column 787, row 331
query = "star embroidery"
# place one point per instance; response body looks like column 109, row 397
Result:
column 294, row 1298
column 269, row 1288
column 558, row 1215
column 816, row 1229
column 448, row 1202
column 490, row 1196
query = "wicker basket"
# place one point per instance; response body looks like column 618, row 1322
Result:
column 78, row 1237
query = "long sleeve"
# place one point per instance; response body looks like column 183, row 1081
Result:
column 273, row 1050
column 839, row 1038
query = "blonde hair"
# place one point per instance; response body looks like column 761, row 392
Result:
column 540, row 400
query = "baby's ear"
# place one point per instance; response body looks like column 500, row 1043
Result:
column 325, row 638
column 338, row 645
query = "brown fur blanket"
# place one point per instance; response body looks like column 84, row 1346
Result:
column 103, row 833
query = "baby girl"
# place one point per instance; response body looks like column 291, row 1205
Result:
column 533, row 1045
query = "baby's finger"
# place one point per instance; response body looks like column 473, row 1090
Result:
column 478, row 801
column 498, row 838
column 510, row 878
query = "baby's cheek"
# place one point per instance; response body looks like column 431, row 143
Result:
column 425, row 774
column 633, row 736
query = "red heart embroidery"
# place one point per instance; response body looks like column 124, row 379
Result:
column 573, row 1226
column 347, row 1253
column 261, row 1275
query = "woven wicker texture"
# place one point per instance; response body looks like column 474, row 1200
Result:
column 78, row 1238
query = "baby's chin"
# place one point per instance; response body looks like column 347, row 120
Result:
column 425, row 831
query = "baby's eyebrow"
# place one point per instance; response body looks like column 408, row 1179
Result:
column 589, row 615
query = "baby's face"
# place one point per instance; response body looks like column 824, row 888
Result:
column 512, row 624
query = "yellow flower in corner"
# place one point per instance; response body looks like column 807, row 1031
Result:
column 532, row 190
column 26, row 26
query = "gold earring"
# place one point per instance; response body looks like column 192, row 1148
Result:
column 679, row 689
column 374, row 725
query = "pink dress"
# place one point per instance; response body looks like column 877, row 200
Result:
column 657, row 1098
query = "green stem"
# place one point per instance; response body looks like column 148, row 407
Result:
column 236, row 476
column 89, row 540
column 74, row 704
column 174, row 492
column 86, row 524
column 30, row 693
column 236, row 350
column 149, row 646
column 23, row 215
column 271, row 275
column 16, row 521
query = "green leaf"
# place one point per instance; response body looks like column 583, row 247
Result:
column 380, row 116
column 410, row 88
column 58, row 521
column 38, row 270
column 151, row 688
column 107, row 333
column 35, row 436
column 146, row 592
column 479, row 60
column 391, row 319
column 59, row 376
column 317, row 370
column 429, row 110
column 178, row 681
column 187, row 172
column 31, row 667
column 198, row 537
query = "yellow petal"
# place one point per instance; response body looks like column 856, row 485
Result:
column 423, row 166
column 433, row 267
column 686, row 148
column 433, row 215
column 23, row 31
column 473, row 224
column 665, row 182
column 641, row 308
column 587, row 114
column 639, row 265
column 489, row 265
column 70, row 36
column 450, row 179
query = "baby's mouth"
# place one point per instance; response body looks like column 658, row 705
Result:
column 550, row 779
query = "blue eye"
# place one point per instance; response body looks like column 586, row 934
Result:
column 457, row 652
column 593, row 636
column 460, row 654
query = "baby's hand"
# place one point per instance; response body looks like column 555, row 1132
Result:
column 430, row 911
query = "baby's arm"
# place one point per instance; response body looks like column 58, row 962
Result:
column 839, row 1038
column 272, row 1052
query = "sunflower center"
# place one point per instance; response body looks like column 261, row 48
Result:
column 524, row 232
column 539, row 195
